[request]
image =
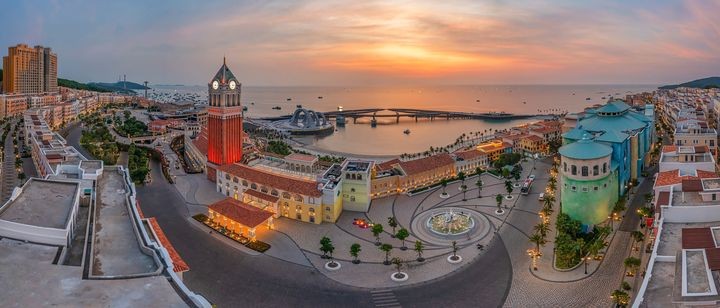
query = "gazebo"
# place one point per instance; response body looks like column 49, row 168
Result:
column 239, row 217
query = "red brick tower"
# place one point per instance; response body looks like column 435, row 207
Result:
column 225, row 121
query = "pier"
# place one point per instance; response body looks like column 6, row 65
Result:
column 398, row 113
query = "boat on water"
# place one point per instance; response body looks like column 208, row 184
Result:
column 277, row 108
column 406, row 132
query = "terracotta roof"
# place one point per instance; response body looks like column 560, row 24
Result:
column 425, row 164
column 515, row 137
column 701, row 149
column 201, row 141
column 669, row 148
column 387, row 165
column 277, row 181
column 179, row 264
column 470, row 154
column 241, row 212
column 692, row 185
column 673, row 177
column 662, row 199
column 713, row 258
column 534, row 138
column 261, row 195
column 693, row 238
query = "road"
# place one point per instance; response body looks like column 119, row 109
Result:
column 228, row 277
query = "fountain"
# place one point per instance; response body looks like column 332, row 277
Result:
column 450, row 223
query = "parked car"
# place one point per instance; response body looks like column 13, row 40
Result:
column 541, row 197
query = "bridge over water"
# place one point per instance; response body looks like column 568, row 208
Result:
column 398, row 113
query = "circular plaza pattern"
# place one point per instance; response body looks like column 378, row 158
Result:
column 444, row 225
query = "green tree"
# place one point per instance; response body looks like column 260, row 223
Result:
column 478, row 171
column 567, row 225
column 419, row 247
column 620, row 298
column 444, row 183
column 386, row 248
column 516, row 176
column 632, row 264
column 537, row 239
column 464, row 191
column 377, row 229
column 402, row 234
column 542, row 229
column 637, row 236
column 325, row 243
column 392, row 222
column 461, row 177
column 509, row 187
column 479, row 185
column 354, row 252
column 549, row 201
column 505, row 173
column 499, row 200
column 398, row 264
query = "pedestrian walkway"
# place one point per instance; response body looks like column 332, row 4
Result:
column 385, row 299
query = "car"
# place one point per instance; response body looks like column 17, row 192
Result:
column 361, row 223
column 541, row 197
column 532, row 177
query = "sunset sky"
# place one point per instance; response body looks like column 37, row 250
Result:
column 374, row 42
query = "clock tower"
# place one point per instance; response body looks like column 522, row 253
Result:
column 225, row 122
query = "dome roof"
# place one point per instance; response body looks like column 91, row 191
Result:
column 585, row 148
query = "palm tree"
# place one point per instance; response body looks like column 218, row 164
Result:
column 499, row 200
column 402, row 234
column 354, row 252
column 392, row 222
column 638, row 236
column 398, row 264
column 596, row 247
column 386, row 248
column 419, row 247
column 542, row 229
column 454, row 248
column 632, row 263
column 479, row 185
column 478, row 171
column 620, row 298
column 377, row 229
column 538, row 240
column 547, row 211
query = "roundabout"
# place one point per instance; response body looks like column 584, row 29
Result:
column 442, row 226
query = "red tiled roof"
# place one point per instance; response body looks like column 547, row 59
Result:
column 277, row 181
column 179, row 264
column 534, row 138
column 669, row 148
column 713, row 258
column 241, row 212
column 701, row 149
column 673, row 177
column 387, row 165
column 261, row 195
column 201, row 141
column 692, row 185
column 693, row 238
column 428, row 163
column 470, row 154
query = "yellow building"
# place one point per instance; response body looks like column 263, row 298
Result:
column 397, row 176
column 29, row 70
column 532, row 144
column 494, row 148
column 280, row 194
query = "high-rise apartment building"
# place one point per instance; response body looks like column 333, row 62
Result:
column 29, row 70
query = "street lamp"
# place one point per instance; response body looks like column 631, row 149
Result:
column 586, row 263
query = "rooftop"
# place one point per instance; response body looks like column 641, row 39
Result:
column 585, row 148
column 277, row 181
column 42, row 203
column 240, row 212
column 416, row 166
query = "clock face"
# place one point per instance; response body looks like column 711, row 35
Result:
column 215, row 84
column 232, row 84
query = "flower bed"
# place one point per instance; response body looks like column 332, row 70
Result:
column 256, row 245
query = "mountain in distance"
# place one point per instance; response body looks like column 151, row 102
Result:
column 710, row 82
column 120, row 85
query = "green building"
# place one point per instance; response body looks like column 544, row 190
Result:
column 588, row 181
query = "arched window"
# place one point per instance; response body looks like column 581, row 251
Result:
column 584, row 170
column 604, row 167
column 573, row 169
column 359, row 177
column 253, row 186
column 596, row 170
column 235, row 179
column 264, row 190
column 312, row 210
column 298, row 207
column 245, row 183
column 274, row 192
column 565, row 167
column 286, row 195
column 298, row 198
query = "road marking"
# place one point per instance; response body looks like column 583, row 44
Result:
column 384, row 299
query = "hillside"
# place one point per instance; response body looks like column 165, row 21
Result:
column 120, row 85
column 710, row 82
column 80, row 86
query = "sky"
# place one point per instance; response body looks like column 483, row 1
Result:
column 294, row 43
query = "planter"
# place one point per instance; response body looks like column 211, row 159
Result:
column 444, row 195
column 499, row 212
column 399, row 276
column 420, row 259
column 509, row 197
column 454, row 259
column 356, row 261
column 332, row 266
column 403, row 248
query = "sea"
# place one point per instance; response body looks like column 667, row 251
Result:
column 387, row 138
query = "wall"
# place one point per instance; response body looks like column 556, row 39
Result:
column 590, row 207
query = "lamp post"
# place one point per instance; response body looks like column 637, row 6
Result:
column 586, row 263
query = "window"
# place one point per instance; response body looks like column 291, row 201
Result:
column 253, row 186
column 573, row 170
column 352, row 198
column 596, row 170
column 352, row 189
column 328, row 209
column 585, row 189
column 359, row 177
column 347, row 176
column 573, row 188
column 235, row 179
column 312, row 200
column 227, row 176
column 596, row 188
column 604, row 168
column 605, row 185
column 312, row 210
column 714, row 196
column 245, row 183
column 298, row 216
column 584, row 170
column 312, row 219
column 264, row 190
column 286, row 195
column 298, row 198
column 565, row 167
column 274, row 192
column 298, row 208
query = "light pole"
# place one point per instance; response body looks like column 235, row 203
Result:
column 586, row 264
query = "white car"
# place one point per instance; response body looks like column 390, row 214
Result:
column 532, row 177
column 541, row 197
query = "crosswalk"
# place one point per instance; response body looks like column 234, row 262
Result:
column 385, row 299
